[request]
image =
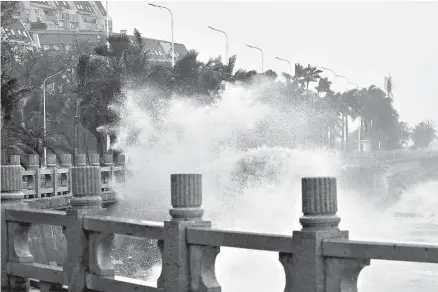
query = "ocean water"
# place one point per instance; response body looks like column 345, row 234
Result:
column 249, row 149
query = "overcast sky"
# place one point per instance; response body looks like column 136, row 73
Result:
column 363, row 41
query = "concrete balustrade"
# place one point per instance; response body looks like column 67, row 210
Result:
column 318, row 258
column 50, row 187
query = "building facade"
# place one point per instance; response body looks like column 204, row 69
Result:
column 65, row 15
column 54, row 25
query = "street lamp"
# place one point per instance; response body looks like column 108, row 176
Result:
column 107, row 27
column 252, row 47
column 44, row 115
column 171, row 24
column 357, row 86
column 290, row 67
column 334, row 80
column 226, row 41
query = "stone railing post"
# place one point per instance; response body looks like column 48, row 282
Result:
column 186, row 268
column 66, row 163
column 306, row 269
column 51, row 163
column 108, row 162
column 14, row 236
column 86, row 199
column 12, row 181
column 121, row 162
column 15, row 248
column 34, row 164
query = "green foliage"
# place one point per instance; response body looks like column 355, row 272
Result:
column 94, row 75
column 8, row 9
column 424, row 133
column 11, row 93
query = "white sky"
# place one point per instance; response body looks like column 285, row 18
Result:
column 362, row 41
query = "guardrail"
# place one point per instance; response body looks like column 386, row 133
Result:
column 319, row 257
column 50, row 188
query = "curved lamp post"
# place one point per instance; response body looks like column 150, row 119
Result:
column 171, row 25
column 252, row 47
column 290, row 67
column 226, row 40
column 44, row 115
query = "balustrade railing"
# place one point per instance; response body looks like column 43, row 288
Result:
column 54, row 182
column 319, row 257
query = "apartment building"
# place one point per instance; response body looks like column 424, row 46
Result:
column 64, row 15
column 54, row 25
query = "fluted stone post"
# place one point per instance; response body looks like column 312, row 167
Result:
column 12, row 181
column 306, row 269
column 86, row 199
column 305, row 266
column 183, row 267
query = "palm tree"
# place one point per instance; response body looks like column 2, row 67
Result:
column 310, row 74
column 352, row 109
column 11, row 93
column 299, row 74
column 323, row 85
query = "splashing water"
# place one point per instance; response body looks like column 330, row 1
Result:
column 247, row 148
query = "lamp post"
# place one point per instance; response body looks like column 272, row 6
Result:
column 107, row 26
column 171, row 24
column 252, row 47
column 226, row 40
column 357, row 86
column 44, row 115
column 290, row 67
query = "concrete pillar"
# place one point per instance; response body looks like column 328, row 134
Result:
column 11, row 181
column 86, row 199
column 306, row 269
column 180, row 271
column 13, row 249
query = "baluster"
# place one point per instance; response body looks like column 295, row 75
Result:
column 108, row 162
column 100, row 263
column 66, row 163
column 86, row 199
column 108, row 177
column 18, row 252
column 179, row 271
column 51, row 164
column 35, row 166
column 6, row 242
column 121, row 162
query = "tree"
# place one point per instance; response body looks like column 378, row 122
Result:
column 8, row 9
column 310, row 74
column 323, row 85
column 98, row 87
column 11, row 93
column 424, row 133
